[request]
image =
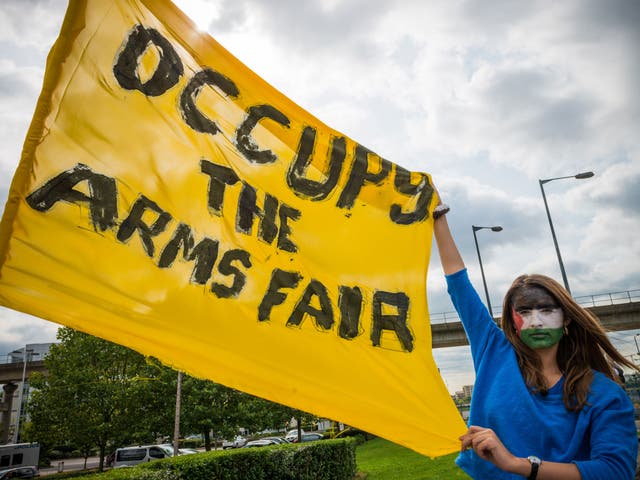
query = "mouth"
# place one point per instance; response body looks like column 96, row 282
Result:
column 539, row 336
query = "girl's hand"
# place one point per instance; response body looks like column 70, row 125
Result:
column 488, row 446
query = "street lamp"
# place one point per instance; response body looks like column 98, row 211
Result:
column 497, row 228
column 176, row 423
column 579, row 176
column 28, row 352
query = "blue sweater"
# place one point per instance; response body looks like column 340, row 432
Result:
column 601, row 439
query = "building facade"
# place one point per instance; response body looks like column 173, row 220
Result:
column 22, row 356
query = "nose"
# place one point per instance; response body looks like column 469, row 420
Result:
column 536, row 319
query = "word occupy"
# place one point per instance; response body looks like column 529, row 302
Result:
column 168, row 72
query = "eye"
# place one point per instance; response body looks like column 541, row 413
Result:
column 523, row 310
column 550, row 309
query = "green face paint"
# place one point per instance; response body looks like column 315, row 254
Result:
column 541, row 337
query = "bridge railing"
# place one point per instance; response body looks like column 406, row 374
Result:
column 15, row 359
column 8, row 359
column 612, row 298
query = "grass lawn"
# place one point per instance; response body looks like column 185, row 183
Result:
column 383, row 460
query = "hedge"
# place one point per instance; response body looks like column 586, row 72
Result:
column 321, row 460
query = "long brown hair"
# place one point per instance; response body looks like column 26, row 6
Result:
column 584, row 347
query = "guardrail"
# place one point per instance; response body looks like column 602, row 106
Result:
column 612, row 298
column 9, row 359
column 598, row 300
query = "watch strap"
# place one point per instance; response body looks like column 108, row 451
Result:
column 535, row 465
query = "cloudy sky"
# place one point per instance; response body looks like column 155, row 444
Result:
column 487, row 96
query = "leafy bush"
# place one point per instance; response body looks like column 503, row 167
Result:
column 323, row 460
column 140, row 473
column 360, row 435
column 73, row 474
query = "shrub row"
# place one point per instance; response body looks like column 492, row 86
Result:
column 323, row 460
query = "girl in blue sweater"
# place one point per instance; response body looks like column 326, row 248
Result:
column 545, row 402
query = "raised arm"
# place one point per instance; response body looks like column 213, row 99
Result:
column 449, row 255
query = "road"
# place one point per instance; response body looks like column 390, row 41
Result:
column 70, row 464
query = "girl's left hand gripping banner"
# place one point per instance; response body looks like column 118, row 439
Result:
column 170, row 200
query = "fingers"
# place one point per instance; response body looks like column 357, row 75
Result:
column 480, row 439
column 435, row 189
column 475, row 429
column 465, row 442
column 467, row 439
column 472, row 431
column 486, row 445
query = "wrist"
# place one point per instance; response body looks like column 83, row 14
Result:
column 440, row 211
column 520, row 466
column 535, row 466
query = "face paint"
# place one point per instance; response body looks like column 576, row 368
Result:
column 537, row 317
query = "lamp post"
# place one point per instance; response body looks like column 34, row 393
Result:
column 475, row 228
column 176, row 424
column 28, row 352
column 579, row 176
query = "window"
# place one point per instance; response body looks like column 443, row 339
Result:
column 17, row 459
column 155, row 452
column 130, row 454
column 168, row 451
column 4, row 460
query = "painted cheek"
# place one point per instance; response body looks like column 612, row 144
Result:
column 518, row 321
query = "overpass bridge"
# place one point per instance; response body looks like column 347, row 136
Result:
column 12, row 372
column 616, row 311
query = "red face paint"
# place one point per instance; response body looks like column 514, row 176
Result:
column 518, row 321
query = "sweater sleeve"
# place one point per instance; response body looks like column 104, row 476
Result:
column 478, row 324
column 613, row 438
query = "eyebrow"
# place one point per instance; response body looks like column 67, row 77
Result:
column 537, row 306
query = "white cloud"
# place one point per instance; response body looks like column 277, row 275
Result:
column 29, row 24
column 18, row 329
column 488, row 96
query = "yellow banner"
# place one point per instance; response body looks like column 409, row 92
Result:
column 170, row 200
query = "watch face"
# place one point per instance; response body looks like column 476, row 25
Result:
column 533, row 460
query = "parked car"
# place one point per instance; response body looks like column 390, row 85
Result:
column 262, row 442
column 130, row 456
column 291, row 434
column 309, row 437
column 187, row 451
column 19, row 472
column 278, row 440
column 237, row 442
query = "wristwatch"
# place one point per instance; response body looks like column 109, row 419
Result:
column 535, row 465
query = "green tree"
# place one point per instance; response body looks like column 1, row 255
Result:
column 153, row 392
column 260, row 414
column 210, row 407
column 99, row 395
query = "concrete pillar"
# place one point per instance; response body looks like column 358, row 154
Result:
column 5, row 409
